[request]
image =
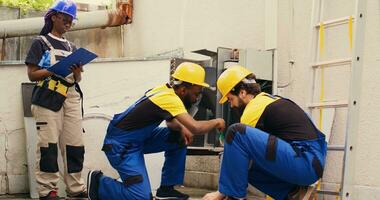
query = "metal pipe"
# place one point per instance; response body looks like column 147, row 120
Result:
column 176, row 53
column 86, row 20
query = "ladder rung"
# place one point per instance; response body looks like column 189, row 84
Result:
column 328, row 104
column 335, row 147
column 328, row 192
column 341, row 61
column 335, row 22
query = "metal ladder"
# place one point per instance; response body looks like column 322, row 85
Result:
column 317, row 27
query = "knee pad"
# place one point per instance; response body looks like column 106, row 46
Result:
column 75, row 158
column 271, row 148
column 232, row 198
column 238, row 127
column 48, row 161
column 133, row 180
column 318, row 168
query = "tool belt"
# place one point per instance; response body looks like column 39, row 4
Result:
column 51, row 93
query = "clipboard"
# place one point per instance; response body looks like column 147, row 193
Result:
column 81, row 55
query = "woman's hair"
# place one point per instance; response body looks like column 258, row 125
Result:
column 248, row 84
column 48, row 22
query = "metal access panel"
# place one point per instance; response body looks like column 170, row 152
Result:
column 259, row 62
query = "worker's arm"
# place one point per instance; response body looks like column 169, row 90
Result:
column 200, row 127
column 37, row 74
column 175, row 125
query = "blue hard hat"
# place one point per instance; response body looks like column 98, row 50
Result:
column 65, row 6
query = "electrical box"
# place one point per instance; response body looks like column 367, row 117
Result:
column 259, row 62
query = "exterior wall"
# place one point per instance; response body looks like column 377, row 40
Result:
column 193, row 25
column 12, row 46
column 13, row 174
column 96, row 2
column 367, row 184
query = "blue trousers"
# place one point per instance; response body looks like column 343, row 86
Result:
column 276, row 176
column 127, row 157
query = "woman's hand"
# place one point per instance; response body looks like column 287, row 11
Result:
column 77, row 71
column 175, row 125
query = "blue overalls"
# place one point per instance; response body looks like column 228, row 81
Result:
column 125, row 151
column 278, row 166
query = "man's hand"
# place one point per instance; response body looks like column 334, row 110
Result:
column 221, row 124
column 175, row 125
column 213, row 196
column 187, row 135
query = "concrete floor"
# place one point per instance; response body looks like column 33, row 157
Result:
column 195, row 193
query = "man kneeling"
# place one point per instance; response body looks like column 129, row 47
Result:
column 276, row 147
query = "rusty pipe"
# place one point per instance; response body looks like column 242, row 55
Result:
column 86, row 20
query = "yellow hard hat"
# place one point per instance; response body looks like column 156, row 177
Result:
column 191, row 73
column 229, row 79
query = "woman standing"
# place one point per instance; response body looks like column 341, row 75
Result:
column 56, row 106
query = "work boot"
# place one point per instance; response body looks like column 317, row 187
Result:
column 80, row 196
column 93, row 179
column 302, row 193
column 169, row 193
column 51, row 196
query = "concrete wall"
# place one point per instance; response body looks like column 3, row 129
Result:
column 194, row 25
column 367, row 162
column 12, row 47
column 12, row 135
column 96, row 2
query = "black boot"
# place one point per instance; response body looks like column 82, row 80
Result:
column 169, row 193
column 93, row 179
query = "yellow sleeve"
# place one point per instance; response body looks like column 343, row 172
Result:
column 255, row 108
column 170, row 102
column 251, row 115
